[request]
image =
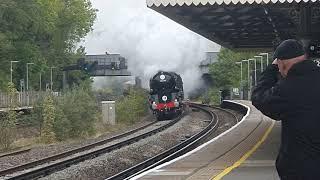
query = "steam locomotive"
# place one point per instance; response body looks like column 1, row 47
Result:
column 166, row 95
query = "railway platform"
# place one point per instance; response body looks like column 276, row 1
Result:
column 247, row 151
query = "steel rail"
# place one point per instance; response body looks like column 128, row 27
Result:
column 56, row 166
column 71, row 152
column 173, row 152
column 15, row 152
column 225, row 110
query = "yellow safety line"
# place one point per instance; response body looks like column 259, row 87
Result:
column 244, row 157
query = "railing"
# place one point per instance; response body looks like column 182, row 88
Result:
column 22, row 99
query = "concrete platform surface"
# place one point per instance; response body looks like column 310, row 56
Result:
column 261, row 164
column 246, row 151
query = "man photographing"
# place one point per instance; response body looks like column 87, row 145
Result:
column 293, row 98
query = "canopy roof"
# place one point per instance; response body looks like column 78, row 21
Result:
column 219, row 2
column 243, row 24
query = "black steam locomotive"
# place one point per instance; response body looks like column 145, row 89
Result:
column 166, row 95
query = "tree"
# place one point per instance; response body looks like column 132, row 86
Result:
column 225, row 72
column 44, row 32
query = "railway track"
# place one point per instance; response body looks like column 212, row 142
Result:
column 33, row 170
column 54, row 163
column 15, row 152
column 179, row 149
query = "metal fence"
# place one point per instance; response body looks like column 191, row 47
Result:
column 21, row 98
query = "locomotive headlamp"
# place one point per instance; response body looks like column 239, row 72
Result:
column 162, row 77
column 154, row 105
column 164, row 98
column 176, row 103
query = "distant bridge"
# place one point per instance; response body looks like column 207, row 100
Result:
column 99, row 65
column 211, row 57
column 108, row 65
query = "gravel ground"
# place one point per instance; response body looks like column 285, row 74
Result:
column 238, row 114
column 226, row 121
column 109, row 164
column 43, row 151
column 118, row 160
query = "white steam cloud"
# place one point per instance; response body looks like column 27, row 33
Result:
column 149, row 40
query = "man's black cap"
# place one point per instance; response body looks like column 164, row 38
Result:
column 288, row 49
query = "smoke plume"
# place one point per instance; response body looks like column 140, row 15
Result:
column 149, row 40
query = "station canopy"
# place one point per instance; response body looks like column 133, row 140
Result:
column 245, row 24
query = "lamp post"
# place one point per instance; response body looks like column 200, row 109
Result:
column 248, row 69
column 248, row 78
column 249, row 82
column 12, row 69
column 28, row 83
column 51, row 83
column 261, row 63
column 28, row 75
column 255, row 70
column 267, row 57
column 241, row 93
column 240, row 70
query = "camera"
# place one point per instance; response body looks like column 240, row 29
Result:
column 313, row 49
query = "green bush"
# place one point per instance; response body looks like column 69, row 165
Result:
column 131, row 107
column 211, row 97
column 8, row 129
column 71, row 115
column 8, row 122
column 76, row 113
column 214, row 96
column 47, row 132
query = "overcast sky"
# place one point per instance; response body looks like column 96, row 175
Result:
column 149, row 40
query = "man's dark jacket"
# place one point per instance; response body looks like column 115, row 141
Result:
column 295, row 100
